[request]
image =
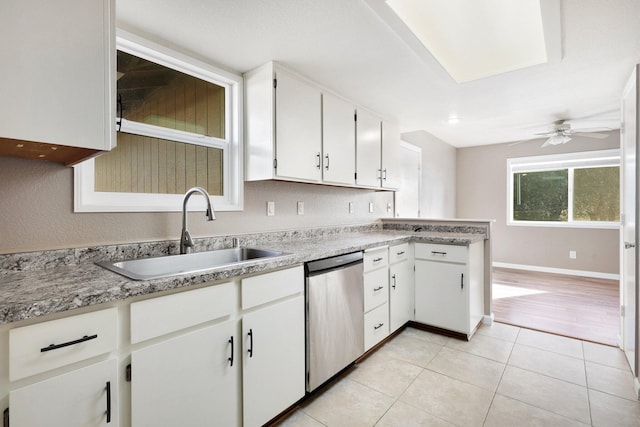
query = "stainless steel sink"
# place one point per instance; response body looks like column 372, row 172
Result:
column 197, row 262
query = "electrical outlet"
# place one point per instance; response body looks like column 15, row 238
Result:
column 572, row 254
column 388, row 207
column 350, row 207
column 370, row 207
column 300, row 208
column 271, row 208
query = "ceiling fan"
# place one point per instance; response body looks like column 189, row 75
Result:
column 563, row 132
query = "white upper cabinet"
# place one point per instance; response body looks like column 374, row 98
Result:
column 368, row 149
column 58, row 73
column 390, row 156
column 338, row 141
column 283, row 126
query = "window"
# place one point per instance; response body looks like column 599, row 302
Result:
column 179, row 126
column 570, row 190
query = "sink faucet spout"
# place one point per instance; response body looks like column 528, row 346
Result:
column 186, row 242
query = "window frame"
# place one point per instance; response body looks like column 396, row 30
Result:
column 86, row 199
column 570, row 161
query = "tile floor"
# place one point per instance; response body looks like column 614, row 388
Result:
column 505, row 376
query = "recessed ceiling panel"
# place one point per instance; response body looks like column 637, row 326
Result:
column 473, row 39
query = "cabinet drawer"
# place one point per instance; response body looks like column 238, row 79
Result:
column 376, row 326
column 375, row 258
column 271, row 286
column 436, row 252
column 376, row 288
column 44, row 346
column 159, row 316
column 398, row 253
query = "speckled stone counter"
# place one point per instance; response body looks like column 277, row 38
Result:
column 39, row 283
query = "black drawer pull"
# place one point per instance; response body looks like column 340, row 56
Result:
column 380, row 325
column 438, row 253
column 378, row 259
column 230, row 359
column 400, row 253
column 378, row 289
column 67, row 344
column 108, row 412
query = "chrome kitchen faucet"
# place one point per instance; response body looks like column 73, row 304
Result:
column 186, row 243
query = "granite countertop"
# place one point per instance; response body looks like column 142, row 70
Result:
column 40, row 291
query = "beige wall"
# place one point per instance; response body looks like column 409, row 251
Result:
column 438, row 199
column 481, row 193
column 36, row 211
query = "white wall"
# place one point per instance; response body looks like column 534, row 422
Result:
column 438, row 175
column 36, row 211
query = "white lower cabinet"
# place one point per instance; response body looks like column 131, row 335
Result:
column 449, row 290
column 85, row 397
column 273, row 353
column 190, row 380
column 401, row 287
column 376, row 296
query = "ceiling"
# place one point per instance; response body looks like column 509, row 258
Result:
column 346, row 46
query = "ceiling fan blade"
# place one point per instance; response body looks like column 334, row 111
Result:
column 547, row 133
column 592, row 135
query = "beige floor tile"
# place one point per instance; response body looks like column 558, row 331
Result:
column 409, row 349
column 387, row 375
column 299, row 419
column 560, row 397
column 557, row 344
column 467, row 367
column 505, row 412
column 610, row 380
column 545, row 362
column 449, row 399
column 348, row 403
column 500, row 331
column 605, row 355
column 484, row 346
column 403, row 415
column 425, row 336
column 607, row 410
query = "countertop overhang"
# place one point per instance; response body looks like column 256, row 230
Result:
column 38, row 292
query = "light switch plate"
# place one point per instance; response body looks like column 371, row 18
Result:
column 350, row 207
column 300, row 208
column 271, row 208
column 370, row 207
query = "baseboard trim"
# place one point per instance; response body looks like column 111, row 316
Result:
column 594, row 274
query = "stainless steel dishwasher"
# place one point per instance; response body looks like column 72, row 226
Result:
column 334, row 318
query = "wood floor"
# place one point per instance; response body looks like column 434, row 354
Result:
column 577, row 307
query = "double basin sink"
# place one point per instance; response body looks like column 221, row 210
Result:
column 197, row 262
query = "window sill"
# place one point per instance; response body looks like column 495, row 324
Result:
column 550, row 224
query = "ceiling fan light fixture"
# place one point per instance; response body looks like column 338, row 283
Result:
column 557, row 139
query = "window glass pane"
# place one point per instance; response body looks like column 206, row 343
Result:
column 540, row 196
column 141, row 164
column 596, row 194
column 156, row 95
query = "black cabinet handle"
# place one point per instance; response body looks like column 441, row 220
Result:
column 119, row 113
column 400, row 253
column 380, row 325
column 108, row 412
column 327, row 165
column 250, row 342
column 67, row 344
column 230, row 359
column 318, row 164
column 438, row 253
column 394, row 281
column 378, row 259
column 378, row 289
column 462, row 281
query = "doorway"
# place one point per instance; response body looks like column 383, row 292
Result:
column 407, row 198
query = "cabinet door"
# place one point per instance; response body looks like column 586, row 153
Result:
column 390, row 155
column 86, row 397
column 187, row 380
column 368, row 137
column 58, row 72
column 442, row 295
column 338, row 141
column 400, row 294
column 274, row 360
column 298, row 129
